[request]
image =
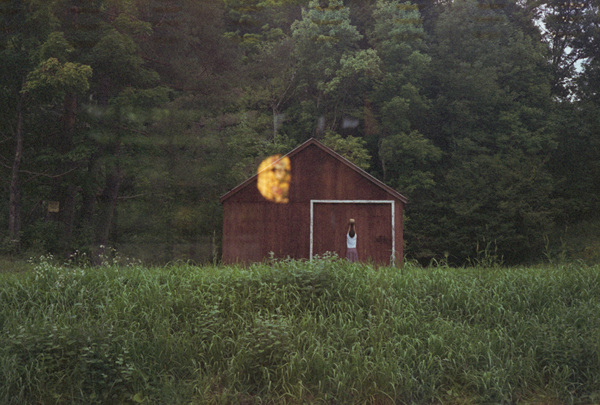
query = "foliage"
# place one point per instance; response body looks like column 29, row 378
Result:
column 404, row 154
column 56, row 77
column 352, row 148
column 326, row 45
column 492, row 105
column 570, row 30
column 298, row 332
column 134, row 119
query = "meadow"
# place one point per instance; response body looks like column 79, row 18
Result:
column 293, row 332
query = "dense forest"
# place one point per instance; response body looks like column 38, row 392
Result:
column 123, row 121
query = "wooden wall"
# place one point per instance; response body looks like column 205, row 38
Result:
column 253, row 226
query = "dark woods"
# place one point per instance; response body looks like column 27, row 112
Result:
column 122, row 122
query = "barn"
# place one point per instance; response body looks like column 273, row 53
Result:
column 325, row 191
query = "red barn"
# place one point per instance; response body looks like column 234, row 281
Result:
column 326, row 190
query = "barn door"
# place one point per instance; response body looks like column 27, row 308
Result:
column 374, row 227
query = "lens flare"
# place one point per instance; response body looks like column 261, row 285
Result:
column 274, row 176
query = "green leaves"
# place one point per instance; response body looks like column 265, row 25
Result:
column 409, row 156
column 56, row 46
column 492, row 106
column 570, row 31
column 54, row 76
column 448, row 102
column 397, row 31
column 357, row 70
column 352, row 148
column 322, row 36
column 117, row 56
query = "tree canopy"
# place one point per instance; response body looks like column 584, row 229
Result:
column 123, row 121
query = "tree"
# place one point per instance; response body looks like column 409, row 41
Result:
column 491, row 103
column 175, row 192
column 405, row 154
column 569, row 28
column 81, row 37
column 43, row 77
column 352, row 148
column 575, row 162
column 326, row 50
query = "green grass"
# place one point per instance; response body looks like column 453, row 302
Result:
column 295, row 332
column 12, row 265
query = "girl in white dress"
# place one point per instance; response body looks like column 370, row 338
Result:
column 351, row 252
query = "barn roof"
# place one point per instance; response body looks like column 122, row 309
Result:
column 333, row 154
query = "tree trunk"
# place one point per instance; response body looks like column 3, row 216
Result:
column 67, row 214
column 108, row 207
column 14, row 205
column 64, row 189
column 88, row 195
column 275, row 123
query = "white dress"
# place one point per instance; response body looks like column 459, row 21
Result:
column 351, row 241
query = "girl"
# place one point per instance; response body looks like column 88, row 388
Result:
column 351, row 252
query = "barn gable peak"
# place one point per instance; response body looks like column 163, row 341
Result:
column 333, row 154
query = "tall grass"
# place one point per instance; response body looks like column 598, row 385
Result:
column 296, row 332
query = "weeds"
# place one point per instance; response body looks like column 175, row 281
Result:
column 299, row 332
column 487, row 257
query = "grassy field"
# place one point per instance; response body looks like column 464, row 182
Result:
column 294, row 332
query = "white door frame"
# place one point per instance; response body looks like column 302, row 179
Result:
column 391, row 202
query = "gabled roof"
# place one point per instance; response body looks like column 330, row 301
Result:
column 335, row 155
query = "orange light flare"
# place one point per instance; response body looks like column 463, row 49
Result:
column 274, row 176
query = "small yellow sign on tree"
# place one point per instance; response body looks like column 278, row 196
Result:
column 53, row 206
